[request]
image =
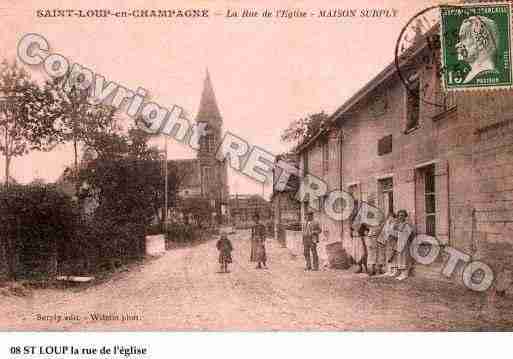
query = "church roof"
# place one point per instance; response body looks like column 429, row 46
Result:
column 208, row 109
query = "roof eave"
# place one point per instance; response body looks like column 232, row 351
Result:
column 381, row 77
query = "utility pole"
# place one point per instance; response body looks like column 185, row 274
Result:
column 166, row 199
column 6, row 110
column 236, row 188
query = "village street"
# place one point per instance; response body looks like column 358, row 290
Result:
column 183, row 291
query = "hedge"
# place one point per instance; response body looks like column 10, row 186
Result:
column 37, row 224
column 42, row 233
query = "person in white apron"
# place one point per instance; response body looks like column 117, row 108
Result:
column 404, row 232
column 385, row 248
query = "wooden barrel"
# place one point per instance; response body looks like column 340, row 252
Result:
column 337, row 256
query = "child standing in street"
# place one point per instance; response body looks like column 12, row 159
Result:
column 225, row 248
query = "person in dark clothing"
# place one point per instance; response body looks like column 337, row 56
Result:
column 225, row 248
column 363, row 232
column 311, row 231
column 258, row 253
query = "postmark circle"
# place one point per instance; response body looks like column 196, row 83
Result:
column 418, row 49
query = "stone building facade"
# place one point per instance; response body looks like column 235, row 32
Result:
column 449, row 166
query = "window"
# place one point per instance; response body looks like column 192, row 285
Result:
column 430, row 199
column 385, row 145
column 293, row 183
column 413, row 105
column 211, row 143
column 386, row 192
column 431, row 216
column 207, row 178
column 325, row 157
column 320, row 203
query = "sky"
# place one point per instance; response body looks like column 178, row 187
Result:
column 265, row 72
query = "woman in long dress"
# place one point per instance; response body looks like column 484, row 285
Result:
column 358, row 231
column 385, row 246
column 404, row 232
column 258, row 252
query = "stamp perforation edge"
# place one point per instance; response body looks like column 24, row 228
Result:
column 473, row 87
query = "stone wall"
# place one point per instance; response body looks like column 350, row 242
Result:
column 469, row 148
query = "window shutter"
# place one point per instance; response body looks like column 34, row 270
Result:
column 442, row 201
column 405, row 188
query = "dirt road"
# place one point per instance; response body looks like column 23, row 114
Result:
column 183, row 291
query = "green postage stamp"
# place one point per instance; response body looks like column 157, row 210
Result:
column 476, row 46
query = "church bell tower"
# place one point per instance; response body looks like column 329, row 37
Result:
column 213, row 172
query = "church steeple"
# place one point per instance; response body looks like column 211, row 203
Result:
column 208, row 109
column 214, row 173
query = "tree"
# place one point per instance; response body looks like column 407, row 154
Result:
column 79, row 121
column 139, row 149
column 131, row 168
column 300, row 131
column 156, row 179
column 24, row 120
column 38, row 181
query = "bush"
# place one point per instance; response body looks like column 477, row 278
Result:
column 103, row 244
column 154, row 229
column 43, row 234
column 38, row 225
column 183, row 233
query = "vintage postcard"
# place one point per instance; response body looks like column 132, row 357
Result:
column 249, row 166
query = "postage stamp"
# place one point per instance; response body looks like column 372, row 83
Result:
column 476, row 46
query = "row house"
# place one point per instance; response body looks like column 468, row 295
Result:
column 244, row 207
column 450, row 166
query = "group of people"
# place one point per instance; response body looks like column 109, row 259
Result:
column 383, row 250
column 258, row 252
column 378, row 250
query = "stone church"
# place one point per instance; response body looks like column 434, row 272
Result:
column 204, row 176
